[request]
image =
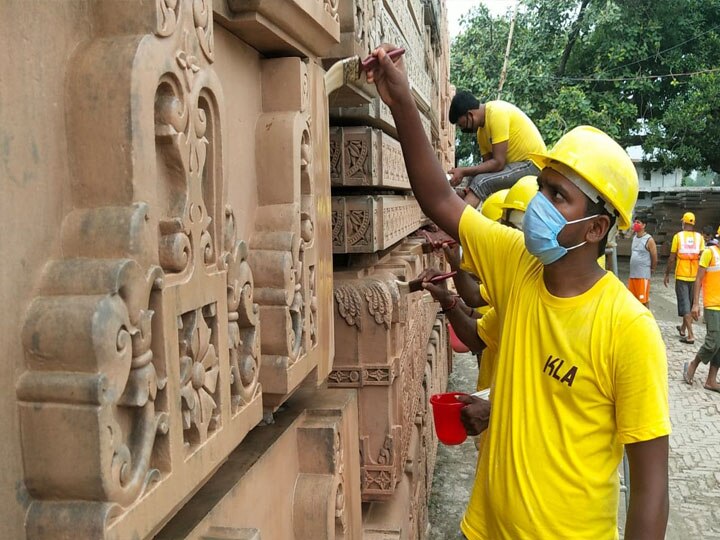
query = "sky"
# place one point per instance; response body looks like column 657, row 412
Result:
column 457, row 8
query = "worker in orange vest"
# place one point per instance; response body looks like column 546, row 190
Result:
column 708, row 278
column 686, row 248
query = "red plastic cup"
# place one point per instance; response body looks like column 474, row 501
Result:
column 446, row 413
column 457, row 345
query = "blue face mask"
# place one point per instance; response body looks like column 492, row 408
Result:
column 541, row 225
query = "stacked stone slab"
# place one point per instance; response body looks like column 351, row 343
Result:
column 373, row 215
column 665, row 215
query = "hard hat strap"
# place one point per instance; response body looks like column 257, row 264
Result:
column 582, row 184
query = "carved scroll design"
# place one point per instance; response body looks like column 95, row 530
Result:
column 243, row 319
column 412, row 370
column 118, row 404
column 167, row 16
column 338, row 229
column 119, row 333
column 331, row 6
column 357, row 153
column 358, row 227
column 335, row 154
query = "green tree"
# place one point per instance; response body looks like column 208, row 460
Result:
column 605, row 63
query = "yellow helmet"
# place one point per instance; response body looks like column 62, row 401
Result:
column 491, row 208
column 602, row 162
column 688, row 217
column 718, row 231
column 519, row 195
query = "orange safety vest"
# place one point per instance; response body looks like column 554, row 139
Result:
column 711, row 280
column 689, row 245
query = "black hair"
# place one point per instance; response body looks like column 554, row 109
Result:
column 461, row 103
column 598, row 208
column 709, row 230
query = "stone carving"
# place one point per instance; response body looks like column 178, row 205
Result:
column 369, row 158
column 385, row 345
column 199, row 372
column 243, row 319
column 349, row 304
column 358, row 228
column 146, row 326
column 373, row 223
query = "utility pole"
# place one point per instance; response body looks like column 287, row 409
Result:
column 503, row 73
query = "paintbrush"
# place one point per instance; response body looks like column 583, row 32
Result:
column 416, row 284
column 349, row 70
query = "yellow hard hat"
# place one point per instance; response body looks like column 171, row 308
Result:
column 491, row 208
column 688, row 217
column 602, row 162
column 718, row 231
column 519, row 195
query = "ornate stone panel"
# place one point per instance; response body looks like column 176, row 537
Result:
column 386, row 339
column 298, row 479
column 290, row 246
column 366, row 157
column 142, row 344
column 366, row 224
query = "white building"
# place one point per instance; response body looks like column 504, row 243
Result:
column 651, row 181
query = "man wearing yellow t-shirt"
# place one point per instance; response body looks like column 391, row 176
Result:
column 686, row 248
column 581, row 370
column 506, row 137
column 708, row 278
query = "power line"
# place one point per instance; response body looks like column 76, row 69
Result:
column 665, row 50
column 619, row 79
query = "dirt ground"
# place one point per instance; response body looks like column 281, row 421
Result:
column 694, row 468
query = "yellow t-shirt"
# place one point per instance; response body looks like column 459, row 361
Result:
column 575, row 379
column 711, row 289
column 505, row 122
column 686, row 269
column 488, row 329
column 482, row 310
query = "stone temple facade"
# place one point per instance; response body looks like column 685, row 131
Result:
column 203, row 334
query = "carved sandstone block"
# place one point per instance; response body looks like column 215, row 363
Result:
column 373, row 223
column 142, row 344
column 362, row 156
column 290, row 248
column 283, row 27
column 385, row 358
column 297, row 479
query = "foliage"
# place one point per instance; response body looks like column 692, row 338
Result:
column 614, row 74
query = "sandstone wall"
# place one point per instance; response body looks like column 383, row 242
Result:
column 169, row 280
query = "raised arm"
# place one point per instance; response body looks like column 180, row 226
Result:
column 649, row 501
column 427, row 178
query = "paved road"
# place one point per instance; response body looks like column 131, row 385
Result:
column 694, row 443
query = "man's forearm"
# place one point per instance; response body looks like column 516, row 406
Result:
column 491, row 165
column 427, row 178
column 466, row 329
column 468, row 289
column 697, row 285
column 647, row 515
